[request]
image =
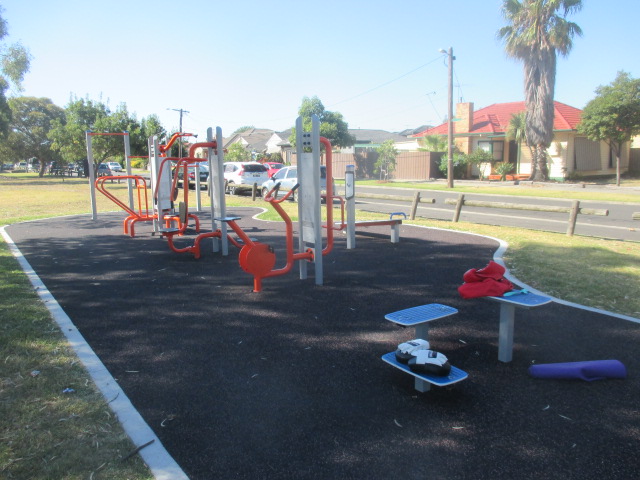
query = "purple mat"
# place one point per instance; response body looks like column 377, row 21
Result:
column 589, row 371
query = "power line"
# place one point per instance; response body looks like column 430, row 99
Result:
column 384, row 84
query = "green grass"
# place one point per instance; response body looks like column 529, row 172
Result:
column 45, row 434
column 609, row 194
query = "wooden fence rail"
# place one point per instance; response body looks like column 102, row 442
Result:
column 574, row 210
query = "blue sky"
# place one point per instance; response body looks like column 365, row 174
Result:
column 231, row 63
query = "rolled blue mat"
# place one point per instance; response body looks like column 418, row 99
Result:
column 589, row 371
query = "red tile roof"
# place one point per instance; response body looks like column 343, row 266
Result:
column 494, row 119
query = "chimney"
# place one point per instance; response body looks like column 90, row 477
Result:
column 464, row 118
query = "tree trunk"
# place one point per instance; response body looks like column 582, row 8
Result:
column 618, row 168
column 534, row 162
column 539, row 172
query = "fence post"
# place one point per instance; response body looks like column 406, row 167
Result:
column 456, row 214
column 254, row 190
column 414, row 206
column 573, row 216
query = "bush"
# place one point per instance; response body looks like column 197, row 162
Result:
column 479, row 157
column 460, row 163
column 503, row 168
column 139, row 163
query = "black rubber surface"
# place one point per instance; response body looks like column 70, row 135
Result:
column 288, row 383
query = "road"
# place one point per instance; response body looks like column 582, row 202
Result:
column 618, row 224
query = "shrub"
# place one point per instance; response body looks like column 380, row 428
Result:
column 503, row 168
column 479, row 157
column 460, row 163
column 139, row 163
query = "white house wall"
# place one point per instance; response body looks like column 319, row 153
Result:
column 560, row 152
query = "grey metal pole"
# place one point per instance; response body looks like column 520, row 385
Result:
column 450, row 122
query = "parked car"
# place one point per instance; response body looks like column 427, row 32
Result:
column 240, row 176
column 203, row 168
column 104, row 170
column 22, row 166
column 288, row 178
column 273, row 167
column 114, row 166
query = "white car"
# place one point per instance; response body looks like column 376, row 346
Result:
column 114, row 166
column 288, row 178
column 240, row 176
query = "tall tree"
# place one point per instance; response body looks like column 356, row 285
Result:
column 537, row 31
column 14, row 64
column 332, row 124
column 83, row 114
column 614, row 115
column 31, row 121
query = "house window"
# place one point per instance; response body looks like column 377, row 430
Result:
column 587, row 155
column 495, row 148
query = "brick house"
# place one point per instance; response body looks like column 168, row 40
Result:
column 571, row 155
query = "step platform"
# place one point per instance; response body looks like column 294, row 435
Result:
column 423, row 380
column 508, row 304
column 420, row 316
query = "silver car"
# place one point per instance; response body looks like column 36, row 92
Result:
column 288, row 178
column 240, row 176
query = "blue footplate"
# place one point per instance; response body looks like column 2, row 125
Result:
column 523, row 300
column 455, row 376
column 420, row 314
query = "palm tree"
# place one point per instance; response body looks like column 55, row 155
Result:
column 535, row 34
column 434, row 143
column 517, row 131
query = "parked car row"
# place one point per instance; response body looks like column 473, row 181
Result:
column 203, row 173
column 241, row 176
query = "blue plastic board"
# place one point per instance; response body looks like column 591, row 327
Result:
column 420, row 314
column 526, row 300
column 456, row 375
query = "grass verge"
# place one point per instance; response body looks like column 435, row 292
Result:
column 46, row 433
column 610, row 194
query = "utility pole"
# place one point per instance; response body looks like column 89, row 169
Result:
column 450, row 120
column 181, row 112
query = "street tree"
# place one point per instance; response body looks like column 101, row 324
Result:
column 149, row 126
column 613, row 116
column 237, row 153
column 242, row 129
column 537, row 31
column 83, row 114
column 386, row 162
column 332, row 124
column 14, row 64
column 31, row 121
